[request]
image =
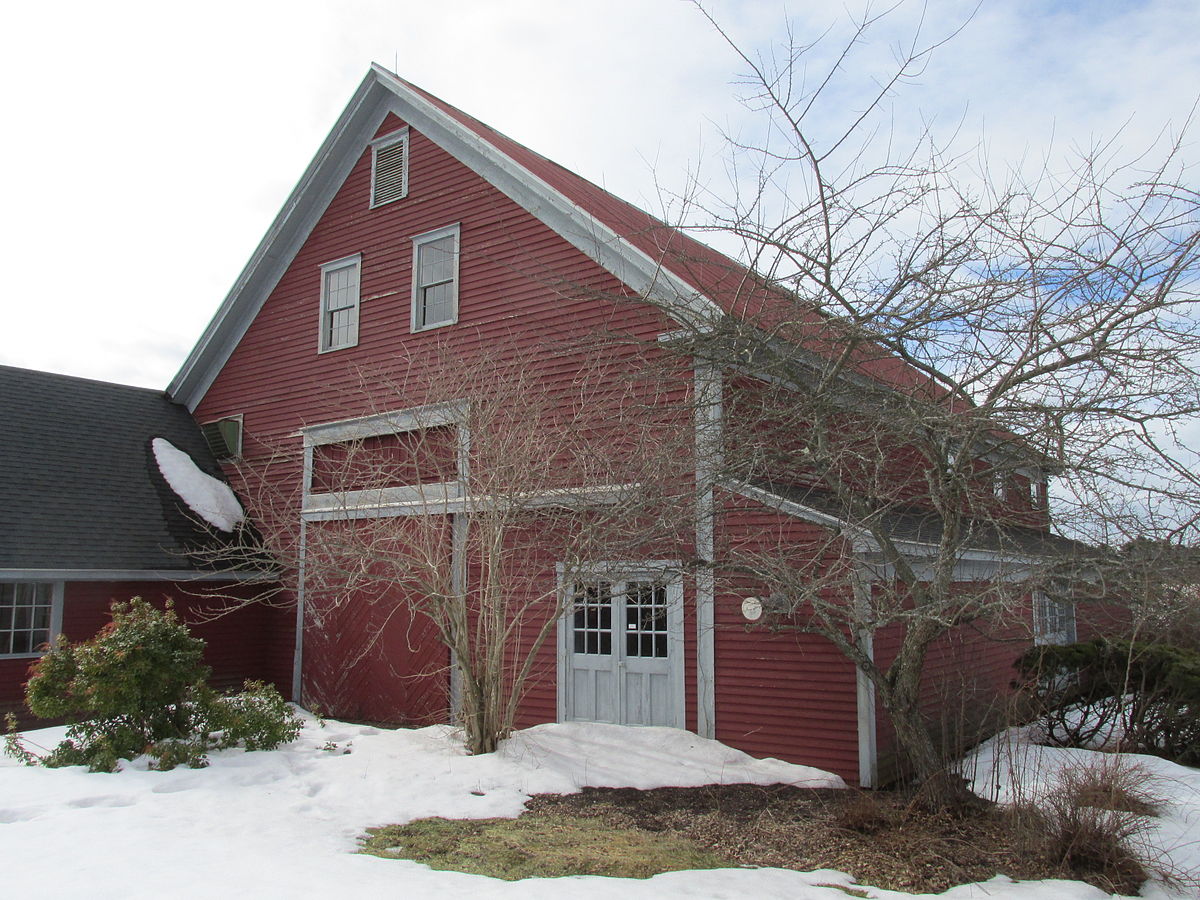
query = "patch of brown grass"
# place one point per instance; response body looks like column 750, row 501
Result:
column 881, row 838
column 537, row 846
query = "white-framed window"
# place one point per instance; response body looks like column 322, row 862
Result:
column 1053, row 620
column 30, row 617
column 339, row 302
column 435, row 278
column 389, row 168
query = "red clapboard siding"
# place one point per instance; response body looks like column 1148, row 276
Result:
column 783, row 694
column 966, row 685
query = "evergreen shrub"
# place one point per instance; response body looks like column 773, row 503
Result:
column 1144, row 697
column 138, row 687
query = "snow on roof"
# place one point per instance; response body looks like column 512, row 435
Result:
column 210, row 499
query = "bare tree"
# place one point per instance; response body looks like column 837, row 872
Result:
column 913, row 351
column 459, row 502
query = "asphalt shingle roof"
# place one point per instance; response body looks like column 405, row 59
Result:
column 79, row 487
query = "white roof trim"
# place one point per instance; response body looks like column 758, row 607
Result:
column 379, row 93
column 860, row 539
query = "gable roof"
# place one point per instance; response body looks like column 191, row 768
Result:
column 694, row 282
column 647, row 255
column 80, row 492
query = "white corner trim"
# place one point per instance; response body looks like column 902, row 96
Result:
column 298, row 643
column 868, row 739
column 709, row 425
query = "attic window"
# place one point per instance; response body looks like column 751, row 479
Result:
column 389, row 168
column 224, row 437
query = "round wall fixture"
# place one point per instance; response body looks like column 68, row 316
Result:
column 752, row 609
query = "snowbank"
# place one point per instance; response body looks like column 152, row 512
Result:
column 285, row 823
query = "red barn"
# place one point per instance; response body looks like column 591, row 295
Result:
column 418, row 233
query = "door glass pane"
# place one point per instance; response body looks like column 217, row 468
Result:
column 592, row 622
column 645, row 619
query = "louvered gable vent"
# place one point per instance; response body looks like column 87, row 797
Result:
column 389, row 168
column 224, row 437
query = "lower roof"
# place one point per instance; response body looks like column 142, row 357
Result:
column 79, row 487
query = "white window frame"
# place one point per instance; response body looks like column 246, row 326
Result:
column 1040, row 489
column 55, row 627
column 417, row 320
column 324, row 339
column 417, row 499
column 383, row 143
column 1047, row 612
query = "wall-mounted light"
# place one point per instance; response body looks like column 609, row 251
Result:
column 752, row 609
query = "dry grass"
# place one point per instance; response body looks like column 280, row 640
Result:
column 879, row 838
column 541, row 846
column 889, row 840
column 1094, row 824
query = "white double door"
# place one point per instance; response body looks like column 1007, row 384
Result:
column 621, row 651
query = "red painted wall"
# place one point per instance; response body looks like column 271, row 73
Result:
column 966, row 688
column 779, row 692
column 523, row 292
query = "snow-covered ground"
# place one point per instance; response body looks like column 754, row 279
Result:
column 285, row 823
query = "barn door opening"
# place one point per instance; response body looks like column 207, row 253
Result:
column 621, row 651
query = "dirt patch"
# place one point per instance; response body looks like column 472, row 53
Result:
column 881, row 839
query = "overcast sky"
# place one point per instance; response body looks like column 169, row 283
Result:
column 149, row 145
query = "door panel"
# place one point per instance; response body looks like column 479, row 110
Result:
column 593, row 670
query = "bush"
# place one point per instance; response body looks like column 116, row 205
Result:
column 138, row 688
column 1093, row 825
column 258, row 719
column 131, row 681
column 1145, row 696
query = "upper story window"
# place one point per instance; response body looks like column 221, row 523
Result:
column 1041, row 493
column 435, row 278
column 27, row 617
column 389, row 168
column 339, row 303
